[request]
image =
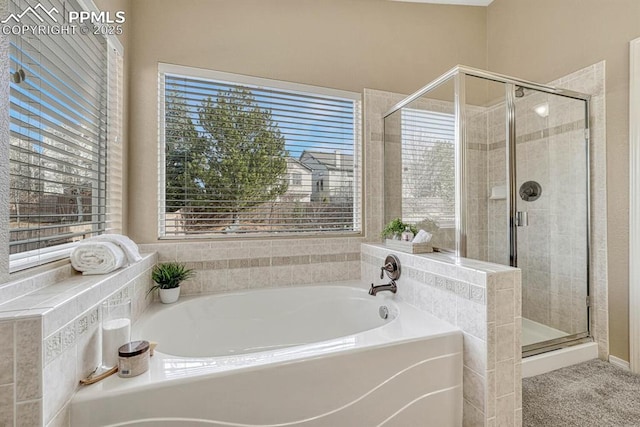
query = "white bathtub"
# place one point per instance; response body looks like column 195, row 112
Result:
column 307, row 356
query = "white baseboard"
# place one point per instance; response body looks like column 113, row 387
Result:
column 616, row 361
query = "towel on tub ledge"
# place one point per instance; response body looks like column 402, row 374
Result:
column 127, row 245
column 104, row 254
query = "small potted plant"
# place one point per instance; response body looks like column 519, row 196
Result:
column 394, row 229
column 168, row 277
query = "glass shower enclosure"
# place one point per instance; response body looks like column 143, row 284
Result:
column 497, row 169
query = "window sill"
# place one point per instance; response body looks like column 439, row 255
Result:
column 246, row 236
column 26, row 260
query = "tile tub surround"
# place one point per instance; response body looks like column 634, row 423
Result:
column 233, row 265
column 50, row 337
column 483, row 300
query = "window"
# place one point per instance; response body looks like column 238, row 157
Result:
column 247, row 156
column 65, row 101
column 428, row 167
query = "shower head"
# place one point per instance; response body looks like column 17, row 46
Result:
column 519, row 92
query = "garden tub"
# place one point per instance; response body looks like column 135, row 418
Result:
column 327, row 355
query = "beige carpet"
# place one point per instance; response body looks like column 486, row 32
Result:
column 593, row 393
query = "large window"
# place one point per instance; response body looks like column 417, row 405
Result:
column 65, row 131
column 242, row 155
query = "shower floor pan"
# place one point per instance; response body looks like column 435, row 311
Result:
column 534, row 332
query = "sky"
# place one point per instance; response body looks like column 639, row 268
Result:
column 306, row 121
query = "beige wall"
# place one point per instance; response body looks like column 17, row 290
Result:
column 546, row 39
column 343, row 44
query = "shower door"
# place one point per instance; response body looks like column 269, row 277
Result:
column 549, row 216
column 526, row 194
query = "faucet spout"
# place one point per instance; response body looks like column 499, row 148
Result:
column 391, row 287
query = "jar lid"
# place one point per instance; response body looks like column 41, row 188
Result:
column 133, row 348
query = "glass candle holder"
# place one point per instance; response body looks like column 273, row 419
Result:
column 116, row 330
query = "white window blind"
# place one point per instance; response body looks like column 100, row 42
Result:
column 60, row 126
column 115, row 176
column 247, row 156
column 428, row 167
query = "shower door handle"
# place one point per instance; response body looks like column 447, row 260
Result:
column 522, row 219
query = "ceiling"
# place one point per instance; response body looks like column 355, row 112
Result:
column 458, row 2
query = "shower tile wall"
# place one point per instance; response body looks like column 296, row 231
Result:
column 477, row 190
column 497, row 225
column 592, row 80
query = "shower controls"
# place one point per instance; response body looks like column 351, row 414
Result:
column 530, row 191
column 522, row 219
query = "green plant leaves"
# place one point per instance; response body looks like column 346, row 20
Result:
column 169, row 275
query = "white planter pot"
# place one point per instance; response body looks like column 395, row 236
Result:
column 169, row 296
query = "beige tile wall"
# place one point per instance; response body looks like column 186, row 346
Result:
column 20, row 371
column 50, row 338
column 477, row 184
column 484, row 301
column 591, row 80
column 254, row 264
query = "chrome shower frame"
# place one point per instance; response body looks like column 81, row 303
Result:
column 458, row 74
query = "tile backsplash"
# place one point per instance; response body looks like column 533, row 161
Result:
column 238, row 265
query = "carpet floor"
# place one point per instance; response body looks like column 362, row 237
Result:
column 593, row 393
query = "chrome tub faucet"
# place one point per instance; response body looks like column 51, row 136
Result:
column 391, row 287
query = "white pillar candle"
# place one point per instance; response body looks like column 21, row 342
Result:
column 115, row 333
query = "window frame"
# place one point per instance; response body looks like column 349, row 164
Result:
column 240, row 79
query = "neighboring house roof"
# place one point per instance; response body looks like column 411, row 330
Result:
column 328, row 160
column 299, row 163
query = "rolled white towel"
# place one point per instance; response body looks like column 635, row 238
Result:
column 127, row 245
column 97, row 257
column 422, row 237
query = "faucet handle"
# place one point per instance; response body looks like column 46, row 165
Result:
column 391, row 267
